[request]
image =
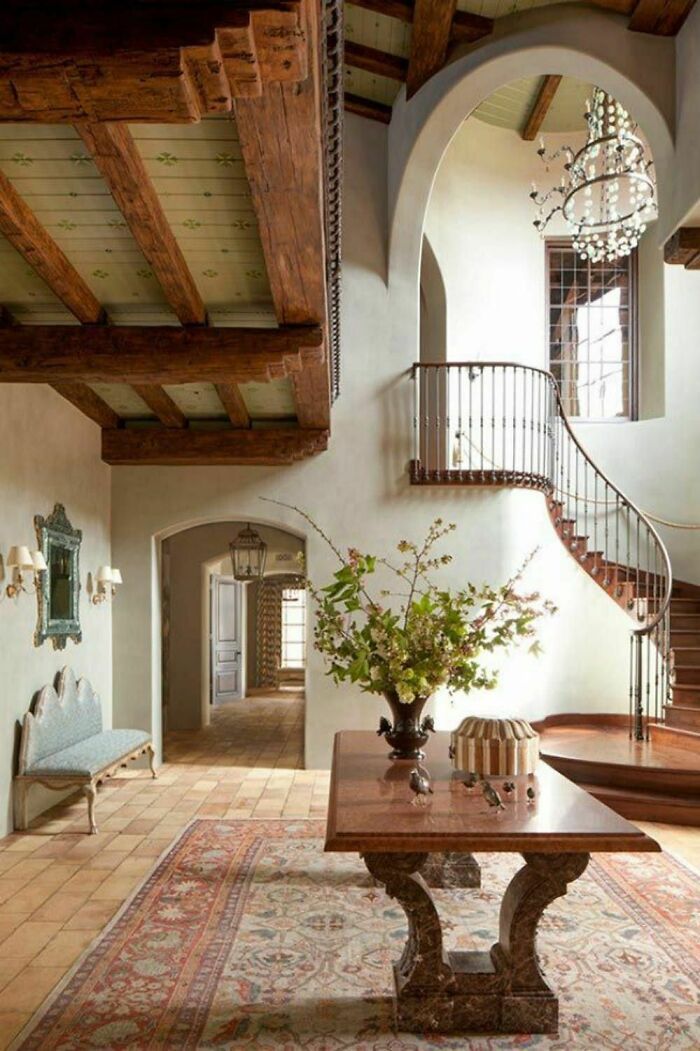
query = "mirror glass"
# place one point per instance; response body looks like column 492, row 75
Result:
column 60, row 566
column 58, row 587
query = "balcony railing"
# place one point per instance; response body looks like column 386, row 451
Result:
column 503, row 424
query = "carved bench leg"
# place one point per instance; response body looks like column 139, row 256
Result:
column 21, row 791
column 90, row 791
column 152, row 759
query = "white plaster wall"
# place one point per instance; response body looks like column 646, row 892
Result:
column 188, row 551
column 359, row 492
column 479, row 223
column 50, row 454
column 492, row 259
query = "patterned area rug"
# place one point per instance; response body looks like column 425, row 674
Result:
column 247, row 935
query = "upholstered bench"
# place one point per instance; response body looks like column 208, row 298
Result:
column 64, row 746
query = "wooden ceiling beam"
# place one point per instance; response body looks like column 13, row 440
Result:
column 430, row 39
column 71, row 62
column 24, row 231
column 232, row 400
column 380, row 63
column 660, row 17
column 466, row 27
column 119, row 162
column 264, row 446
column 282, row 142
column 89, row 403
column 147, row 355
column 161, row 405
column 367, row 108
column 540, row 108
column 683, row 248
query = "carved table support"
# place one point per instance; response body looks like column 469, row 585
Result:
column 503, row 991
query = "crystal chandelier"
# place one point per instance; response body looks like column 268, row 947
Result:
column 248, row 554
column 608, row 191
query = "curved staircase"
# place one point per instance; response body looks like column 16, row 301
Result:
column 503, row 424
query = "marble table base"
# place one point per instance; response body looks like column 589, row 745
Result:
column 450, row 870
column 500, row 991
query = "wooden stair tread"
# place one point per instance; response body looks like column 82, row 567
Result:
column 606, row 792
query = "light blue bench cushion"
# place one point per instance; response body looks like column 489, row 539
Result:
column 88, row 757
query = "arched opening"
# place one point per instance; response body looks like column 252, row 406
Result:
column 233, row 654
column 508, row 291
column 592, row 50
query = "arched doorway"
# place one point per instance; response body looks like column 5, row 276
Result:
column 233, row 654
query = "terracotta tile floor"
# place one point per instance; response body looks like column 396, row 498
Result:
column 59, row 887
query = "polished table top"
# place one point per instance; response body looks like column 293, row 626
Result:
column 371, row 808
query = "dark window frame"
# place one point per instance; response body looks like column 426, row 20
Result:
column 553, row 244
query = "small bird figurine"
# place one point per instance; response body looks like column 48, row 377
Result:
column 428, row 725
column 530, row 794
column 509, row 786
column 421, row 786
column 384, row 726
column 471, row 781
column 491, row 796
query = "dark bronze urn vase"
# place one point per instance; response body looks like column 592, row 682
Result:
column 407, row 732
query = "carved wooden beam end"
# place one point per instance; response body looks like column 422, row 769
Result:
column 683, row 248
column 60, row 65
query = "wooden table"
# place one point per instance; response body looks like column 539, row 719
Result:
column 371, row 810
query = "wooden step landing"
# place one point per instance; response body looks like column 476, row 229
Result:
column 656, row 780
column 676, row 737
column 637, row 806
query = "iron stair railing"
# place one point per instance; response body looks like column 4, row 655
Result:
column 503, row 424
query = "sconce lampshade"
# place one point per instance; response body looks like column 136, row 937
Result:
column 20, row 557
column 248, row 554
column 39, row 562
column 116, row 576
column 104, row 575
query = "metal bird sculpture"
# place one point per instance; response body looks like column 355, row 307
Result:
column 509, row 786
column 420, row 785
column 428, row 725
column 491, row 796
column 530, row 794
column 384, row 727
column 471, row 781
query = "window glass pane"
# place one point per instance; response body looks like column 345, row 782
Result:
column 294, row 628
column 590, row 333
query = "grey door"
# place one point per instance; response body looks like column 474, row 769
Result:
column 227, row 663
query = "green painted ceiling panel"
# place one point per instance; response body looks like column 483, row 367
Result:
column 205, row 195
column 123, row 399
column 269, row 400
column 197, row 400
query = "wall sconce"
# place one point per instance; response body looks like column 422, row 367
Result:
column 19, row 559
column 107, row 578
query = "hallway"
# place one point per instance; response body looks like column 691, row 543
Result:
column 265, row 730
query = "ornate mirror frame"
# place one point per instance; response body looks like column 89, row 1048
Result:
column 56, row 531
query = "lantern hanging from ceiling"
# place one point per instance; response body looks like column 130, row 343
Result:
column 248, row 554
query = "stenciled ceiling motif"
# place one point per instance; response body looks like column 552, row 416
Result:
column 198, row 173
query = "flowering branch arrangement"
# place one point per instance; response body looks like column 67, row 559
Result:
column 421, row 636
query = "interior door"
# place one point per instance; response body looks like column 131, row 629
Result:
column 227, row 650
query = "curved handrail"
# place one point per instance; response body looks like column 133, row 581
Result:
column 645, row 629
column 527, row 432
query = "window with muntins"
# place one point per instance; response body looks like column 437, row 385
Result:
column 294, row 628
column 592, row 323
